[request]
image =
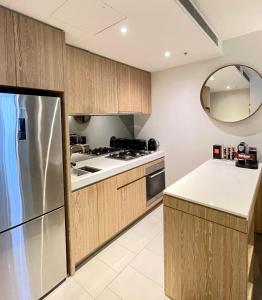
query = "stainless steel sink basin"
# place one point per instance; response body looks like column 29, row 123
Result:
column 83, row 170
column 89, row 169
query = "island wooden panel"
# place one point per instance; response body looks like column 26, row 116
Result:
column 39, row 50
column 109, row 209
column 85, row 213
column 258, row 210
column 203, row 212
column 203, row 260
column 7, row 49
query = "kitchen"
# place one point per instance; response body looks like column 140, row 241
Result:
column 108, row 122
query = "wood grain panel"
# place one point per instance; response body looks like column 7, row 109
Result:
column 203, row 260
column 133, row 201
column 210, row 214
column 258, row 210
column 79, row 88
column 109, row 209
column 123, row 88
column 154, row 162
column 7, row 48
column 104, row 81
column 146, row 92
column 39, row 54
column 85, row 222
column 130, row 176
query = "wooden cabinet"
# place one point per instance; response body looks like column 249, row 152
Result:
column 104, row 82
column 7, row 54
column 109, row 209
column 85, row 222
column 78, row 86
column 98, row 85
column 38, row 54
column 134, row 90
column 133, row 201
column 207, row 252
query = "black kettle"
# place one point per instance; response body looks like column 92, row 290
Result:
column 152, row 145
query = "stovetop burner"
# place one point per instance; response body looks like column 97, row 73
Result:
column 102, row 150
column 128, row 154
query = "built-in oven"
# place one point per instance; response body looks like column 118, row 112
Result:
column 155, row 182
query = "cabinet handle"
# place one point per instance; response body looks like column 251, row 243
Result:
column 158, row 173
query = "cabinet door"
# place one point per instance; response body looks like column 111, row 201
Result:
column 85, row 222
column 109, row 209
column 133, row 201
column 104, row 83
column 134, row 89
column 146, row 92
column 7, row 54
column 78, row 87
column 39, row 54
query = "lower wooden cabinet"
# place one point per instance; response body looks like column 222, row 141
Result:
column 133, row 201
column 102, row 210
column 109, row 209
column 85, row 222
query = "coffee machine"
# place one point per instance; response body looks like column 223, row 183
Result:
column 246, row 156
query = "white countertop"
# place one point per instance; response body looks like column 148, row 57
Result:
column 109, row 167
column 219, row 184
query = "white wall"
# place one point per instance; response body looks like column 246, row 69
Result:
column 100, row 128
column 229, row 106
column 184, row 130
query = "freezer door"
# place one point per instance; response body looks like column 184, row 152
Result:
column 33, row 257
column 31, row 165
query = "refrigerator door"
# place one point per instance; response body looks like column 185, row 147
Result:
column 33, row 257
column 31, row 165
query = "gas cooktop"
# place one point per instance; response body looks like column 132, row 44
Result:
column 128, row 154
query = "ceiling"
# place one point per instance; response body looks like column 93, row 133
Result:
column 232, row 18
column 227, row 77
column 154, row 27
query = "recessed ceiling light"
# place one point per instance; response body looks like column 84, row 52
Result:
column 228, row 87
column 123, row 30
column 212, row 78
column 167, row 54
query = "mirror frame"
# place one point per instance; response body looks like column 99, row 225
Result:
column 202, row 88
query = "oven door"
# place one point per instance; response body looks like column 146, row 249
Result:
column 155, row 184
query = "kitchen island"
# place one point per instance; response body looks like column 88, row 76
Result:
column 209, row 232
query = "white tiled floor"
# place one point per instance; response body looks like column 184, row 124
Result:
column 131, row 268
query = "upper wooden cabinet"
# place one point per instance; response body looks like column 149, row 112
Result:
column 134, row 90
column 78, row 86
column 38, row 54
column 98, row 85
column 7, row 53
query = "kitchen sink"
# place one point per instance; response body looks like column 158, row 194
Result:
column 83, row 170
column 89, row 169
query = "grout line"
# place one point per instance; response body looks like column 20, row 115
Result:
column 77, row 283
column 147, row 277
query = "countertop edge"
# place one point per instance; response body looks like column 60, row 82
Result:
column 115, row 171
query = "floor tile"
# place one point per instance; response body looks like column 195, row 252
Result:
column 69, row 290
column 150, row 265
column 107, row 294
column 94, row 276
column 157, row 245
column 133, row 241
column 146, row 229
column 131, row 285
column 116, row 256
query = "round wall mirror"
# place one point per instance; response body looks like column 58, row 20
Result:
column 232, row 93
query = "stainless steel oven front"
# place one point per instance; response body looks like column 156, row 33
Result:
column 155, row 182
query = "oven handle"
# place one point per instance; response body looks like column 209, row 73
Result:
column 156, row 174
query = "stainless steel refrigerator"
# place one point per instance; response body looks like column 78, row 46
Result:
column 32, row 221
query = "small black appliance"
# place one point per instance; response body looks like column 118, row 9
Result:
column 152, row 145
